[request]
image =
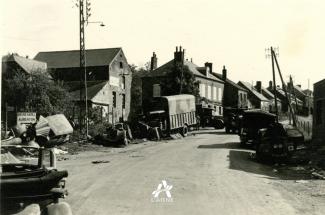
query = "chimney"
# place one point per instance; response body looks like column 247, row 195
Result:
column 270, row 84
column 224, row 73
column 179, row 56
column 299, row 85
column 258, row 86
column 153, row 62
column 208, row 65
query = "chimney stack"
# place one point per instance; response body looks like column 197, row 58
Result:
column 299, row 85
column 224, row 73
column 258, row 86
column 179, row 56
column 270, row 84
column 153, row 62
column 208, row 67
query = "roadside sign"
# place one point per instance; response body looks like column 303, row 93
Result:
column 26, row 117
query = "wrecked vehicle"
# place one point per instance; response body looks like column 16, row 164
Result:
column 116, row 135
column 250, row 124
column 29, row 177
column 47, row 132
column 277, row 142
column 172, row 114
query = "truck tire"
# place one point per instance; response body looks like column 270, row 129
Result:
column 184, row 131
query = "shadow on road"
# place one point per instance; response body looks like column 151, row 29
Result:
column 231, row 145
column 243, row 161
column 210, row 131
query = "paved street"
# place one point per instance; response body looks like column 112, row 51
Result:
column 209, row 173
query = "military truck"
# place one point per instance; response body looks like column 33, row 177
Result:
column 172, row 114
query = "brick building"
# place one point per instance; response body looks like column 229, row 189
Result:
column 319, row 113
column 210, row 87
column 108, row 79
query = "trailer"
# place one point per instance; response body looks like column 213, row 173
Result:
column 172, row 114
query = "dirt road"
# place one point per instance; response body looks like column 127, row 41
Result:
column 209, row 173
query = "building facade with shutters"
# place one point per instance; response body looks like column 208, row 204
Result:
column 108, row 80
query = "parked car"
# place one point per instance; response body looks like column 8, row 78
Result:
column 250, row 124
column 29, row 176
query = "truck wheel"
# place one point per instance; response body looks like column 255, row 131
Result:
column 184, row 131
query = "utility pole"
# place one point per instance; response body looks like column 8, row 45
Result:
column 83, row 70
column 284, row 88
column 274, row 88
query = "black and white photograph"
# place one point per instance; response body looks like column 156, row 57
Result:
column 169, row 107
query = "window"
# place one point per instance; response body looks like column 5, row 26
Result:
column 123, row 82
column 319, row 112
column 202, row 90
column 156, row 90
column 121, row 65
column 123, row 101
column 114, row 99
column 215, row 93
column 220, row 110
column 209, row 92
column 219, row 94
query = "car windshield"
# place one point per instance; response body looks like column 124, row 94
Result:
column 19, row 155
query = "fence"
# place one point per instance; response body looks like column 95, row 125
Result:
column 305, row 127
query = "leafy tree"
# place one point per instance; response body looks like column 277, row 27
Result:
column 136, row 91
column 179, row 80
column 36, row 92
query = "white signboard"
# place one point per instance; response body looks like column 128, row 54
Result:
column 26, row 117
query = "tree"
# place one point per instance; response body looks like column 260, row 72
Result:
column 179, row 80
column 36, row 92
column 136, row 91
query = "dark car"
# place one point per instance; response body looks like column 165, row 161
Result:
column 251, row 122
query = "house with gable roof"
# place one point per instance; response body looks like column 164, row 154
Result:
column 108, row 79
column 255, row 99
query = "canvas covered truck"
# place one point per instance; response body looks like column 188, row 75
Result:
column 172, row 114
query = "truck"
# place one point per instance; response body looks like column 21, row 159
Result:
column 172, row 114
column 232, row 119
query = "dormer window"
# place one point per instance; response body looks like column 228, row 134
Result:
column 121, row 65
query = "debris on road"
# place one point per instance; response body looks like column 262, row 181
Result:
column 318, row 176
column 100, row 161
column 301, row 181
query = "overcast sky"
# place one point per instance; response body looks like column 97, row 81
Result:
column 225, row 32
